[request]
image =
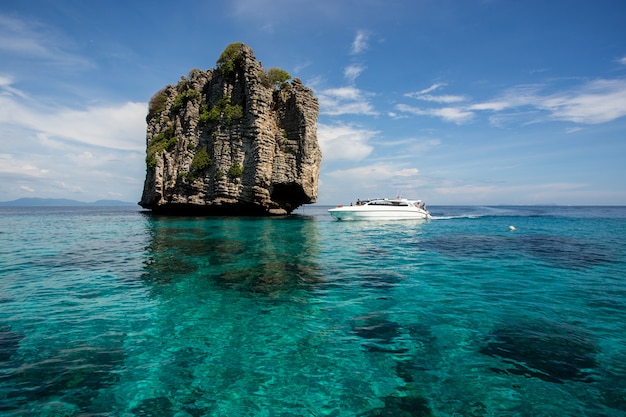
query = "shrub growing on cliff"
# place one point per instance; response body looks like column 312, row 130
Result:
column 230, row 59
column 235, row 171
column 274, row 77
column 181, row 99
column 157, row 103
column 224, row 107
column 201, row 161
column 159, row 143
column 204, row 116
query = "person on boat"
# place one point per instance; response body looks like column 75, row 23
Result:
column 358, row 202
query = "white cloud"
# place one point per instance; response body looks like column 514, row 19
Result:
column 622, row 60
column 491, row 105
column 351, row 72
column 379, row 179
column 345, row 100
column 359, row 44
column 542, row 193
column 11, row 165
column 5, row 81
column 91, row 153
column 31, row 39
column 344, row 142
column 599, row 101
column 119, row 126
column 426, row 96
column 458, row 115
column 594, row 102
column 374, row 173
column 429, row 89
column 442, row 99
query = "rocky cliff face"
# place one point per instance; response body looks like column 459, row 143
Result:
column 231, row 140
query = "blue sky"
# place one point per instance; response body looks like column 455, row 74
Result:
column 454, row 102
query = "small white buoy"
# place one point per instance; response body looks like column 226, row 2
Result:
column 512, row 228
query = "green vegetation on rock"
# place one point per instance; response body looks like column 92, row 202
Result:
column 182, row 98
column 230, row 59
column 274, row 77
column 159, row 143
column 224, row 108
column 157, row 103
column 201, row 160
column 235, row 171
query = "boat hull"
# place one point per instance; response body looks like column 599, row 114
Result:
column 378, row 213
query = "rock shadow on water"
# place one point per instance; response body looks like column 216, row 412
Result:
column 552, row 352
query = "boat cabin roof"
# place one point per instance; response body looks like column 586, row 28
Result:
column 392, row 202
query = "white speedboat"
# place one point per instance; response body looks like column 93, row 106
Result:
column 382, row 209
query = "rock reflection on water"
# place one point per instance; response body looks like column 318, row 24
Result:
column 264, row 257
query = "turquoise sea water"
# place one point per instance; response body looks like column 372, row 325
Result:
column 115, row 312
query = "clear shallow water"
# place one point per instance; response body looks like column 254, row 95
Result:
column 114, row 312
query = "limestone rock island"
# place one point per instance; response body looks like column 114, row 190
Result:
column 232, row 140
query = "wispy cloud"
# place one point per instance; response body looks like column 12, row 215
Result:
column 378, row 179
column 360, row 42
column 375, row 172
column 597, row 101
column 345, row 100
column 11, row 165
column 594, row 102
column 426, row 96
column 344, row 142
column 57, row 150
column 32, row 40
column 119, row 126
column 458, row 115
column 351, row 72
column 542, row 193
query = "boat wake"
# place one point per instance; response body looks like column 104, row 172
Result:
column 460, row 216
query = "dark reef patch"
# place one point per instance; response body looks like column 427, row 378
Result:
column 564, row 251
column 380, row 334
column 381, row 279
column 406, row 406
column 552, row 352
column 559, row 251
column 73, row 376
column 154, row 407
column 9, row 343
